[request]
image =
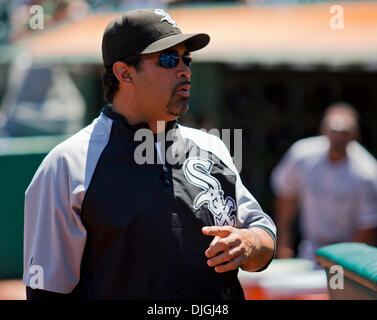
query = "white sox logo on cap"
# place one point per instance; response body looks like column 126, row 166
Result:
column 166, row 17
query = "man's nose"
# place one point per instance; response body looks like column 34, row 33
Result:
column 183, row 71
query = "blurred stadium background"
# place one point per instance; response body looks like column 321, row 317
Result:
column 271, row 68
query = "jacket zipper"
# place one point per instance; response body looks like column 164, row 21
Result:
column 165, row 171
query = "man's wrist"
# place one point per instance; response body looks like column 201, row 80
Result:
column 264, row 250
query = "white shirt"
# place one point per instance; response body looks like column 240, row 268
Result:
column 335, row 200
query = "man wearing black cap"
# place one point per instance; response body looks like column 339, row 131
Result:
column 102, row 224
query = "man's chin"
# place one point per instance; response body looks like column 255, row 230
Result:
column 177, row 110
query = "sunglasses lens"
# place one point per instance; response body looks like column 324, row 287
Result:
column 168, row 60
column 171, row 60
column 187, row 61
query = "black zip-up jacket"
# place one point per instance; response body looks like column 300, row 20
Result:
column 116, row 212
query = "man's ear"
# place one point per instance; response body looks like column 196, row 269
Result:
column 123, row 72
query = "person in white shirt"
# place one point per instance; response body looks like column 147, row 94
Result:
column 331, row 181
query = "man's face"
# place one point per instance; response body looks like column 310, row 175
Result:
column 340, row 128
column 339, row 139
column 162, row 93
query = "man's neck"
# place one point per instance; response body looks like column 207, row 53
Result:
column 337, row 156
column 133, row 118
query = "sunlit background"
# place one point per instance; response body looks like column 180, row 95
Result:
column 270, row 69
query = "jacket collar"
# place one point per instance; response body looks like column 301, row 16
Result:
column 117, row 117
column 172, row 141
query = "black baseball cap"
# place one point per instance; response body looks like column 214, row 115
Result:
column 145, row 31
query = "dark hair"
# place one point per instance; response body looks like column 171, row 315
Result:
column 110, row 82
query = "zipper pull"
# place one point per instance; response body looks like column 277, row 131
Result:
column 165, row 173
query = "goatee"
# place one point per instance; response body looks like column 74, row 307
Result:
column 177, row 104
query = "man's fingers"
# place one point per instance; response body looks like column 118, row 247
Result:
column 223, row 240
column 216, row 248
column 221, row 244
column 231, row 265
column 217, row 231
column 214, row 241
column 221, row 258
column 230, row 248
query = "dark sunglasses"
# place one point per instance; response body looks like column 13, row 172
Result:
column 171, row 59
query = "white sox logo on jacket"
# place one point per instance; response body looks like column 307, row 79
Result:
column 198, row 172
